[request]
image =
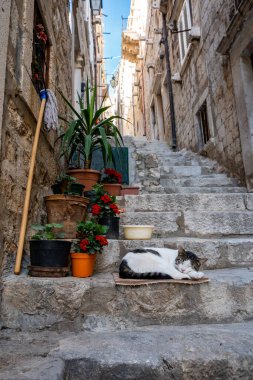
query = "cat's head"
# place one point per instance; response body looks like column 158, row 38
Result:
column 187, row 261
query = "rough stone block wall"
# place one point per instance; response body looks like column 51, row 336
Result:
column 208, row 72
column 21, row 105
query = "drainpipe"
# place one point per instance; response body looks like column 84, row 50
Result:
column 168, row 77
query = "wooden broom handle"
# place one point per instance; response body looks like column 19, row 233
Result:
column 28, row 190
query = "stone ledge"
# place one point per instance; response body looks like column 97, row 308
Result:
column 96, row 303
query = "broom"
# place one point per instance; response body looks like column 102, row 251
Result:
column 49, row 106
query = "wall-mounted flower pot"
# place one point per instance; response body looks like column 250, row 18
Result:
column 87, row 177
column 112, row 188
column 67, row 210
column 130, row 190
column 112, row 222
column 82, row 264
column 49, row 253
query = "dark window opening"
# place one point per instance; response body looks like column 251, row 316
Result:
column 251, row 60
column 40, row 57
column 203, row 124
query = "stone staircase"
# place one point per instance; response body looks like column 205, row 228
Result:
column 90, row 329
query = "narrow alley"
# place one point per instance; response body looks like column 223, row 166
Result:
column 126, row 128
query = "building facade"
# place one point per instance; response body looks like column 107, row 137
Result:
column 45, row 43
column 201, row 85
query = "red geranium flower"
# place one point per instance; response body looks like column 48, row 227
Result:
column 105, row 198
column 114, row 208
column 96, row 209
column 102, row 240
column 83, row 244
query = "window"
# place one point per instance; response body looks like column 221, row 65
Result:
column 203, row 124
column 184, row 23
column 40, row 57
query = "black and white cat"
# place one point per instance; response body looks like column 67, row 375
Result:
column 161, row 263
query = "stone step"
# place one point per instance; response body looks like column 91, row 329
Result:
column 204, row 190
column 222, row 352
column 193, row 223
column 221, row 253
column 200, row 182
column 184, row 202
column 185, row 171
column 72, row 303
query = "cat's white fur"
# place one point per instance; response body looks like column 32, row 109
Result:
column 165, row 263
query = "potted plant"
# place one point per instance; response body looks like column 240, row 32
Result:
column 90, row 241
column 87, row 132
column 104, row 208
column 65, row 184
column 112, row 181
column 49, row 256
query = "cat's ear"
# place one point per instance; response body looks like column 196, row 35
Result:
column 181, row 250
column 202, row 261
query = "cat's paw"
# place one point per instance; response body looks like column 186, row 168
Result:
column 197, row 275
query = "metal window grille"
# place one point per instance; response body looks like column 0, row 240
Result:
column 202, row 116
column 40, row 56
column 184, row 23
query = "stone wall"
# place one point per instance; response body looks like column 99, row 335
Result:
column 207, row 75
column 20, row 112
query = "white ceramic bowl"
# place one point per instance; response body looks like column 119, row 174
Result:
column 138, row 232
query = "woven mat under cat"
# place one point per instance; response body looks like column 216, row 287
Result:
column 131, row 282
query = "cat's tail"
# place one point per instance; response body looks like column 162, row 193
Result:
column 126, row 272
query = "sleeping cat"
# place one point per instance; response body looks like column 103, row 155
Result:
column 161, row 263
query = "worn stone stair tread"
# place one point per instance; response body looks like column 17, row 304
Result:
column 176, row 202
column 221, row 351
column 194, row 223
column 32, row 303
column 224, row 252
column 203, row 190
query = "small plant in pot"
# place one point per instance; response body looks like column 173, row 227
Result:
column 105, row 209
column 65, row 184
column 87, row 132
column 112, row 181
column 90, row 241
column 49, row 256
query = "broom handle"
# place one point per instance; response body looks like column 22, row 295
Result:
column 29, row 188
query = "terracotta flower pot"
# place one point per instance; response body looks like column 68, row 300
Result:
column 112, row 188
column 82, row 264
column 67, row 210
column 87, row 177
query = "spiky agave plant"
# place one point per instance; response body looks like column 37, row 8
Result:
column 87, row 131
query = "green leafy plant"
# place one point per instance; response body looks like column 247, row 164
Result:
column 46, row 232
column 62, row 177
column 90, row 237
column 87, row 131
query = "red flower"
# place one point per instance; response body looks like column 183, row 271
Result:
column 102, row 240
column 114, row 174
column 36, row 76
column 96, row 209
column 105, row 198
column 83, row 244
column 114, row 208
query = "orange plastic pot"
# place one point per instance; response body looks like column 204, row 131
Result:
column 87, row 177
column 112, row 188
column 82, row 264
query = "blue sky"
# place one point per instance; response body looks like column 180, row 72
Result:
column 113, row 24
